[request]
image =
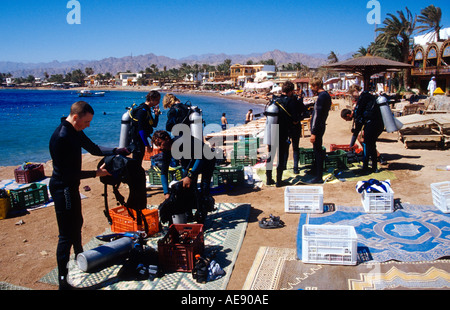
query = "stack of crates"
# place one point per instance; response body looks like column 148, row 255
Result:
column 154, row 175
column 441, row 195
column 233, row 175
column 303, row 199
column 329, row 244
column 245, row 152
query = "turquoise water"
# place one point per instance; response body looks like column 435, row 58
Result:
column 29, row 117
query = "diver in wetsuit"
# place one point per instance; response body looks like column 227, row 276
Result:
column 193, row 164
column 143, row 124
column 65, row 149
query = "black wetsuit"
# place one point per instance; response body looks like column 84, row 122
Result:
column 143, row 128
column 367, row 117
column 296, row 105
column 318, row 126
column 289, row 111
column 65, row 149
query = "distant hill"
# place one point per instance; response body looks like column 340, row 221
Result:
column 138, row 63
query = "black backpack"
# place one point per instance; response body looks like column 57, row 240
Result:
column 129, row 171
column 179, row 114
column 365, row 109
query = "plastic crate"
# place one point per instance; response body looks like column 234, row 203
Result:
column 345, row 147
column 378, row 202
column 441, row 195
column 306, row 156
column 336, row 159
column 329, row 244
column 5, row 206
column 229, row 175
column 244, row 160
column 29, row 175
column 177, row 249
column 32, row 195
column 246, row 146
column 303, row 199
column 123, row 222
column 154, row 175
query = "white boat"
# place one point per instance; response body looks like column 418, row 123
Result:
column 88, row 93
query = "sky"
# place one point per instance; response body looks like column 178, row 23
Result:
column 39, row 31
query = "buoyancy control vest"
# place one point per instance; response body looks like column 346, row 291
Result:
column 129, row 171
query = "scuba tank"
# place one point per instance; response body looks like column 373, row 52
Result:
column 125, row 130
column 391, row 123
column 104, row 254
column 196, row 124
column 271, row 114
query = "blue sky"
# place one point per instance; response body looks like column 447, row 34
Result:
column 37, row 31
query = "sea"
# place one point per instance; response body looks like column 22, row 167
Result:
column 28, row 118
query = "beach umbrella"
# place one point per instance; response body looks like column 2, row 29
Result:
column 367, row 66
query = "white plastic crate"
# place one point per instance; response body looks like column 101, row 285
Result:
column 329, row 244
column 441, row 195
column 378, row 202
column 303, row 199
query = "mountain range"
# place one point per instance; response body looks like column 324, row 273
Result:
column 138, row 63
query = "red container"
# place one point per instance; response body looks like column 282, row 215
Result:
column 148, row 155
column 123, row 222
column 347, row 148
column 177, row 250
column 30, row 175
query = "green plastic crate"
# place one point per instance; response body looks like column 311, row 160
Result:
column 306, row 156
column 243, row 160
column 154, row 175
column 228, row 175
column 246, row 145
column 336, row 159
column 32, row 195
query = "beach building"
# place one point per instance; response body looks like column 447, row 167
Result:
column 431, row 58
column 128, row 78
column 242, row 74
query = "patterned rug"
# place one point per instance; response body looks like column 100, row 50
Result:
column 412, row 233
column 280, row 269
column 224, row 232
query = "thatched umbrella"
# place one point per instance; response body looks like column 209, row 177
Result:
column 367, row 66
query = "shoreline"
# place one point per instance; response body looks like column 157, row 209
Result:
column 232, row 97
column 150, row 88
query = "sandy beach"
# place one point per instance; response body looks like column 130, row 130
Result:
column 28, row 250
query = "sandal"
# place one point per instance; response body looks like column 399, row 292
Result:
column 271, row 222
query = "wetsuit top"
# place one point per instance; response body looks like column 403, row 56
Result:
column 290, row 111
column 320, row 113
column 367, row 113
column 145, row 124
column 65, row 150
column 194, row 163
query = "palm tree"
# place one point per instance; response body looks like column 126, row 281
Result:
column 399, row 30
column 430, row 18
column 332, row 58
column 362, row 51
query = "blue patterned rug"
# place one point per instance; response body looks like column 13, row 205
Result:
column 411, row 233
column 224, row 232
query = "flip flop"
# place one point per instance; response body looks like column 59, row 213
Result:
column 271, row 222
